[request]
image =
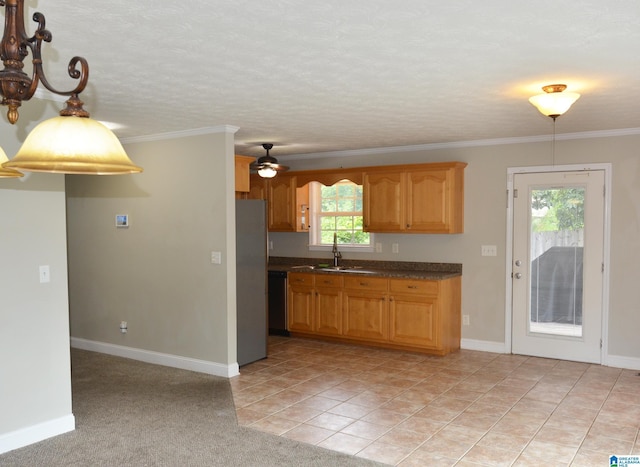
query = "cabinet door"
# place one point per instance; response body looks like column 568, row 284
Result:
column 257, row 187
column 300, row 302
column 281, row 197
column 413, row 320
column 300, row 308
column 383, row 201
column 328, row 311
column 365, row 316
column 428, row 201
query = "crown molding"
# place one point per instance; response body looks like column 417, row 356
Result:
column 463, row 144
column 181, row 134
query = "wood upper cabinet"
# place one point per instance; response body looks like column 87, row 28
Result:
column 281, row 202
column 383, row 202
column 242, row 173
column 257, row 187
column 419, row 199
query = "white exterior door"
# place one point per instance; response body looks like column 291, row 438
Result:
column 557, row 264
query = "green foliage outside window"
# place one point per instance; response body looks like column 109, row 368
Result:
column 341, row 213
column 563, row 209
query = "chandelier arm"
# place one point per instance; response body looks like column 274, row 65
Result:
column 15, row 85
column 35, row 43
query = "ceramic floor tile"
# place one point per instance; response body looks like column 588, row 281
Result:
column 491, row 455
column 586, row 458
column 467, row 409
column 504, row 441
column 345, row 443
column 606, row 444
column 402, row 437
column 350, row 410
column 365, row 430
column 426, row 458
column 617, row 431
column 308, row 434
column 274, row 425
column 384, row 417
column 546, row 451
column 299, row 413
column 385, row 453
column 330, row 421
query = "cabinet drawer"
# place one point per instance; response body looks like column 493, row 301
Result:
column 417, row 286
column 378, row 284
column 328, row 280
column 297, row 278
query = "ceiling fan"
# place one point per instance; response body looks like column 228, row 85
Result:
column 267, row 166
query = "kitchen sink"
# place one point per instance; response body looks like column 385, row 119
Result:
column 350, row 269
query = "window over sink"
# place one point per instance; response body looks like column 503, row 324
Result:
column 337, row 209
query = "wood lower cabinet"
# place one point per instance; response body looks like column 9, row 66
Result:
column 364, row 308
column 413, row 314
column 328, row 304
column 300, row 302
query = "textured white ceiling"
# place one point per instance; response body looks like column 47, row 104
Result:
column 349, row 74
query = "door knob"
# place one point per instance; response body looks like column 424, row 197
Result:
column 517, row 275
column 518, row 262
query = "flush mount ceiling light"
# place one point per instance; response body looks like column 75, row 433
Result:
column 554, row 102
column 72, row 143
column 267, row 166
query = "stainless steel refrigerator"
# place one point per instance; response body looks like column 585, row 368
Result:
column 251, row 279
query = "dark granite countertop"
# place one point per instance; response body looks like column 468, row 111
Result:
column 400, row 269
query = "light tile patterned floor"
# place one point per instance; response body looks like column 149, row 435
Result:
column 467, row 409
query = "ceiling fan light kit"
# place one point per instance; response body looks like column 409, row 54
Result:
column 267, row 166
column 554, row 101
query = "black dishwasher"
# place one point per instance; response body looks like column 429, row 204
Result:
column 278, row 303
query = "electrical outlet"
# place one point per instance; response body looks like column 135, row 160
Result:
column 123, row 327
column 489, row 250
column 465, row 320
column 378, row 247
column 395, row 248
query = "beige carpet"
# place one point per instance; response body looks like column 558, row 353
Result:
column 130, row 413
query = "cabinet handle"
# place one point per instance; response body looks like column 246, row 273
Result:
column 364, row 284
column 412, row 286
column 408, row 226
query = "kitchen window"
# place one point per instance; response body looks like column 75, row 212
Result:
column 337, row 209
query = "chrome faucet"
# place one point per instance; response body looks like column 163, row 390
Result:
column 336, row 254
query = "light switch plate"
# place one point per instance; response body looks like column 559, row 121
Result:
column 216, row 257
column 489, row 250
column 45, row 276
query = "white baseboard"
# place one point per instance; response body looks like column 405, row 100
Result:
column 158, row 358
column 483, row 346
column 33, row 434
column 618, row 361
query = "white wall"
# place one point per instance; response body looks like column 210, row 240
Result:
column 35, row 373
column 35, row 377
column 483, row 283
column 157, row 275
